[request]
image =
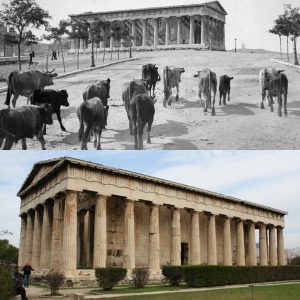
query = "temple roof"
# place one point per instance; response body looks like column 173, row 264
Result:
column 43, row 170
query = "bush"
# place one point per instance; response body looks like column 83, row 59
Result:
column 201, row 276
column 6, row 283
column 173, row 274
column 140, row 277
column 107, row 278
column 55, row 281
column 295, row 261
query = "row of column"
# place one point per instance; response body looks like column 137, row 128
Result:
column 208, row 34
column 49, row 237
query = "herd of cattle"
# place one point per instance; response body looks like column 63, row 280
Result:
column 138, row 97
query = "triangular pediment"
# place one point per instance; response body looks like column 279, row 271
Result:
column 217, row 6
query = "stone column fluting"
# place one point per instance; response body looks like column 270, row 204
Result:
column 155, row 32
column 167, row 35
column 175, row 238
column 144, row 32
column 70, row 233
column 240, row 243
column 227, row 250
column 129, row 236
column 203, row 30
column 251, row 246
column 111, row 42
column 133, row 32
column 212, row 240
column 263, row 246
column 195, row 258
column 29, row 237
column 154, row 240
column 86, row 238
column 21, row 261
column 273, row 252
column 192, row 30
column 100, row 233
column 46, row 238
column 280, row 247
column 179, row 37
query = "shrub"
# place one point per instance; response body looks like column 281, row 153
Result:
column 173, row 274
column 200, row 276
column 140, row 277
column 107, row 278
column 55, row 281
column 295, row 261
column 6, row 283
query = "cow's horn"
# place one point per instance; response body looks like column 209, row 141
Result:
column 52, row 71
column 280, row 71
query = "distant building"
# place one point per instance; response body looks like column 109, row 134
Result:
column 5, row 50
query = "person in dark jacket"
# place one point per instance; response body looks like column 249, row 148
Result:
column 18, row 284
column 27, row 271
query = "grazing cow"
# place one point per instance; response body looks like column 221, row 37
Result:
column 24, row 122
column 101, row 90
column 273, row 84
column 171, row 78
column 140, row 110
column 91, row 116
column 150, row 74
column 207, row 84
column 26, row 83
column 224, row 88
column 55, row 99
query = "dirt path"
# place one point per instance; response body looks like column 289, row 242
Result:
column 239, row 125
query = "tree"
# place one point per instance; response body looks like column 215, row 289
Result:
column 278, row 31
column 30, row 39
column 22, row 14
column 8, row 252
column 56, row 34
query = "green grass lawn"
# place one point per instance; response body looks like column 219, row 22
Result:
column 278, row 292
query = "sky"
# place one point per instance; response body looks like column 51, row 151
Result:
column 248, row 21
column 269, row 178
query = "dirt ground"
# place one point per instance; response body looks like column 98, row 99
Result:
column 239, row 125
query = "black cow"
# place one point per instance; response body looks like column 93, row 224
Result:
column 55, row 98
column 151, row 75
column 224, row 88
column 24, row 122
column 91, row 116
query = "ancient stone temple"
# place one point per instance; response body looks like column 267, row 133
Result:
column 77, row 215
column 199, row 26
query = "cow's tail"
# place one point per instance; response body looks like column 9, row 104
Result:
column 81, row 124
column 9, row 88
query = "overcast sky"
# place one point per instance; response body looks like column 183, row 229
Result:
column 247, row 20
column 269, row 178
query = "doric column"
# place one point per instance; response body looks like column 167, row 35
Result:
column 203, row 30
column 29, row 236
column 144, row 32
column 240, row 243
column 223, row 35
column 263, row 254
column 57, row 232
column 111, row 42
column 195, row 258
column 212, row 241
column 100, row 233
column 179, row 37
column 21, row 261
column 129, row 236
column 133, row 32
column 175, row 238
column 46, row 238
column 280, row 247
column 251, row 245
column 192, row 30
column 70, row 232
column 154, row 240
column 81, row 43
column 37, row 234
column 227, row 252
column 102, row 44
column 167, row 39
column 155, row 32
column 86, row 238
column 273, row 252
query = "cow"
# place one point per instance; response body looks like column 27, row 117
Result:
column 207, row 84
column 273, row 83
column 55, row 98
column 101, row 90
column 171, row 79
column 140, row 110
column 91, row 118
column 24, row 122
column 224, row 88
column 151, row 75
column 26, row 83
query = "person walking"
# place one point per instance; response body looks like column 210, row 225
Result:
column 18, row 284
column 27, row 271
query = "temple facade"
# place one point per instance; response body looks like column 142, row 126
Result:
column 77, row 216
column 199, row 26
